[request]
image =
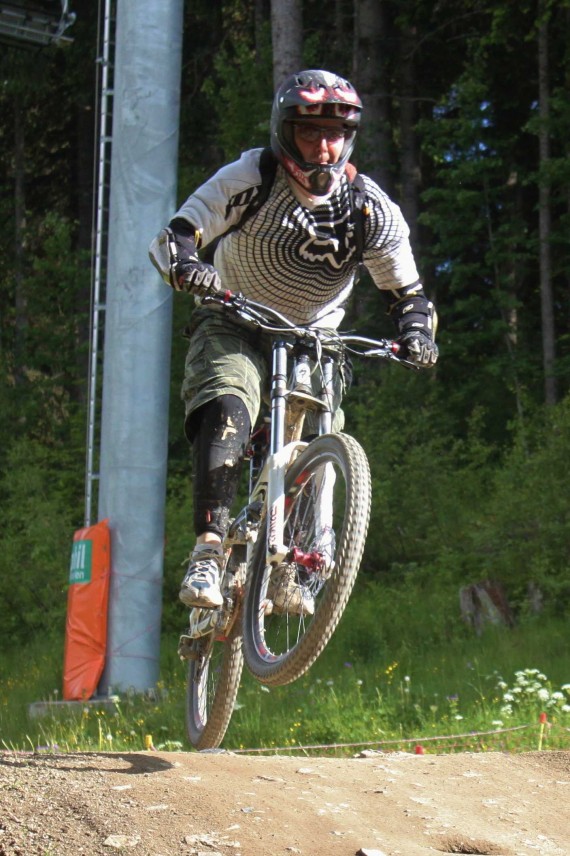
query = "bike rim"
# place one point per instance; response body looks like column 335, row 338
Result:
column 279, row 633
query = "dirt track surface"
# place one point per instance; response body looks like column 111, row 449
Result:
column 210, row 804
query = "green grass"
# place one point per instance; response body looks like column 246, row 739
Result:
column 383, row 680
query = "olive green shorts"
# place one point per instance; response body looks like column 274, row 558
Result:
column 226, row 358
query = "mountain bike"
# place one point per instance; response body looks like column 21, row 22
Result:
column 293, row 552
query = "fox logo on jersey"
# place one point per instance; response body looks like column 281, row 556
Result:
column 332, row 242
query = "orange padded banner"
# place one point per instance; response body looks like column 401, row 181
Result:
column 87, row 600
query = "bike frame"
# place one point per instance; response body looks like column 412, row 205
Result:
column 290, row 402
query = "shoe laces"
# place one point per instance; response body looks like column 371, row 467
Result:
column 204, row 566
column 205, row 562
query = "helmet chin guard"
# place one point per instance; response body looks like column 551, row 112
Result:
column 307, row 97
column 316, row 179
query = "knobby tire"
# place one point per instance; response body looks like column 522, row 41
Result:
column 279, row 656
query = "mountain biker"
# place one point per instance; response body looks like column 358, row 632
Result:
column 298, row 254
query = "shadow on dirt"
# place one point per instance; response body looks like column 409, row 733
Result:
column 131, row 762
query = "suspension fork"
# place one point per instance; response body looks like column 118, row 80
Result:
column 278, row 456
column 326, row 478
column 326, row 396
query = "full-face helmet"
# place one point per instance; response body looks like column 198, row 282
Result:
column 310, row 96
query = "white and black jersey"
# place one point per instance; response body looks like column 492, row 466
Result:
column 296, row 254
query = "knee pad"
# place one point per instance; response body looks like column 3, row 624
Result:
column 222, row 430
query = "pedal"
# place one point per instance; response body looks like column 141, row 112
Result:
column 202, row 621
column 185, row 648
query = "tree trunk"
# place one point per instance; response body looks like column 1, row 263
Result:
column 337, row 51
column 21, row 303
column 410, row 170
column 546, row 299
column 286, row 38
column 259, row 18
column 568, row 145
column 370, row 76
column 506, row 278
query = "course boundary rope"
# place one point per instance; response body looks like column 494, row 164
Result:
column 418, row 741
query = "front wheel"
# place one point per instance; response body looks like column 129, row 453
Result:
column 214, row 672
column 291, row 611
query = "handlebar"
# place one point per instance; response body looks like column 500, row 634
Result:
column 269, row 320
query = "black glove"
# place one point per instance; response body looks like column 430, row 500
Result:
column 419, row 348
column 416, row 322
column 195, row 277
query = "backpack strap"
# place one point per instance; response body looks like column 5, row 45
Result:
column 267, row 170
column 360, row 208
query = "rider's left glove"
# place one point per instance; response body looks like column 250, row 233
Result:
column 415, row 319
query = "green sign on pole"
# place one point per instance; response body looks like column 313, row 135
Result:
column 80, row 569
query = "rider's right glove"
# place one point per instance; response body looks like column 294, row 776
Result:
column 173, row 253
column 195, row 277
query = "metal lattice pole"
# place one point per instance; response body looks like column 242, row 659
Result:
column 105, row 95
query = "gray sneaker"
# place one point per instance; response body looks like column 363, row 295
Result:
column 201, row 585
column 287, row 594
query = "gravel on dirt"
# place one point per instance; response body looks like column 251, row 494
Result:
column 224, row 804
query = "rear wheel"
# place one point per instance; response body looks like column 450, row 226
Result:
column 327, row 508
column 214, row 672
